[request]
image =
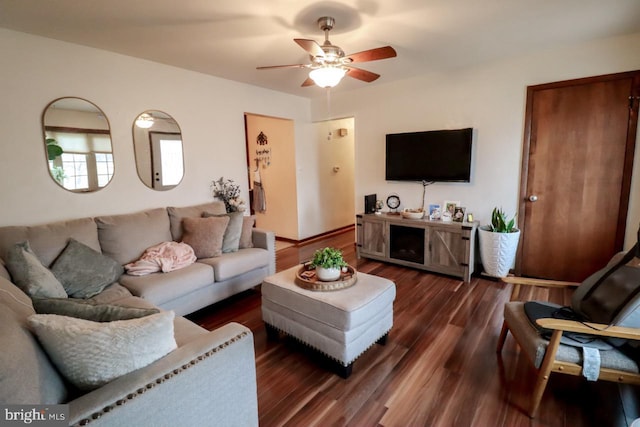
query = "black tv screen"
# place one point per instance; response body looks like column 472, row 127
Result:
column 437, row 155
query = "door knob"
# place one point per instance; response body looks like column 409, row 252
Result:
column 533, row 198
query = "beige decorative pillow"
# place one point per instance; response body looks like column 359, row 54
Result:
column 90, row 354
column 246, row 240
column 176, row 215
column 231, row 239
column 205, row 235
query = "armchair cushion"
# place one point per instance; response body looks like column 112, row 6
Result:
column 535, row 346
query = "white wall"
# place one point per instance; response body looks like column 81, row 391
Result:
column 330, row 205
column 209, row 110
column 491, row 99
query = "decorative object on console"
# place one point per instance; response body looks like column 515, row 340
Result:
column 413, row 213
column 449, row 210
column 435, row 212
column 370, row 203
column 328, row 263
column 498, row 244
column 229, row 192
column 379, row 206
column 458, row 215
column 393, row 202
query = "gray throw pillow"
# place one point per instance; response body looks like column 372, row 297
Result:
column 87, row 310
column 231, row 238
column 28, row 273
column 83, row 271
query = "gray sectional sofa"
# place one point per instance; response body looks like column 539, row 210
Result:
column 208, row 379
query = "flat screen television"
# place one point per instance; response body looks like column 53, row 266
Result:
column 437, row 155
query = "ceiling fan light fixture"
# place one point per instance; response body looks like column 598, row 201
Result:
column 327, row 76
column 144, row 121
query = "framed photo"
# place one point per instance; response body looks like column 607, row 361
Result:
column 450, row 206
column 458, row 215
column 435, row 212
column 448, row 210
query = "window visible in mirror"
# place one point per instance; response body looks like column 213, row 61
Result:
column 78, row 145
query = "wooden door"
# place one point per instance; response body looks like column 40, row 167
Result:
column 578, row 156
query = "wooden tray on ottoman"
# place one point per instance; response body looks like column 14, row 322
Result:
column 306, row 278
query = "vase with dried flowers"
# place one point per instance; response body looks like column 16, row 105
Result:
column 229, row 192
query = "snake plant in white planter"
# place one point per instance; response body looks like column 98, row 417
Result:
column 498, row 244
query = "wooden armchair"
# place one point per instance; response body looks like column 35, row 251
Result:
column 550, row 355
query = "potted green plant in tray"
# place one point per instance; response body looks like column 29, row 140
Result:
column 328, row 263
column 498, row 244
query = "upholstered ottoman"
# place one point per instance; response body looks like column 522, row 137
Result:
column 342, row 324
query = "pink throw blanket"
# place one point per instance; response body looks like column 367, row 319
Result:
column 165, row 257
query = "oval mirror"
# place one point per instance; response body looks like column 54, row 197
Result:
column 77, row 140
column 157, row 142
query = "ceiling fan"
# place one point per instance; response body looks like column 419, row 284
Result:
column 329, row 64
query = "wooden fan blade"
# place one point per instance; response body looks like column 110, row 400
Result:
column 307, row 82
column 268, row 67
column 360, row 74
column 373, row 54
column 310, row 46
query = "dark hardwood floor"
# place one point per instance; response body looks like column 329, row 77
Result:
column 438, row 368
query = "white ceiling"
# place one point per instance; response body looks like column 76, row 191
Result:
column 230, row 39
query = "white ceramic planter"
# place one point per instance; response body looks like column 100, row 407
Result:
column 498, row 251
column 327, row 274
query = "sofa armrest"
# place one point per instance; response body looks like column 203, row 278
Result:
column 266, row 240
column 210, row 380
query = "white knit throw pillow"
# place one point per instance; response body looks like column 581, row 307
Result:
column 90, row 354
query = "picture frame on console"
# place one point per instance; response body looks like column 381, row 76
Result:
column 449, row 209
column 435, row 212
column 458, row 215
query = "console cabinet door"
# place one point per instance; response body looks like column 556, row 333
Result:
column 447, row 251
column 371, row 237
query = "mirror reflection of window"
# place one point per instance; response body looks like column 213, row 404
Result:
column 78, row 145
column 157, row 141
